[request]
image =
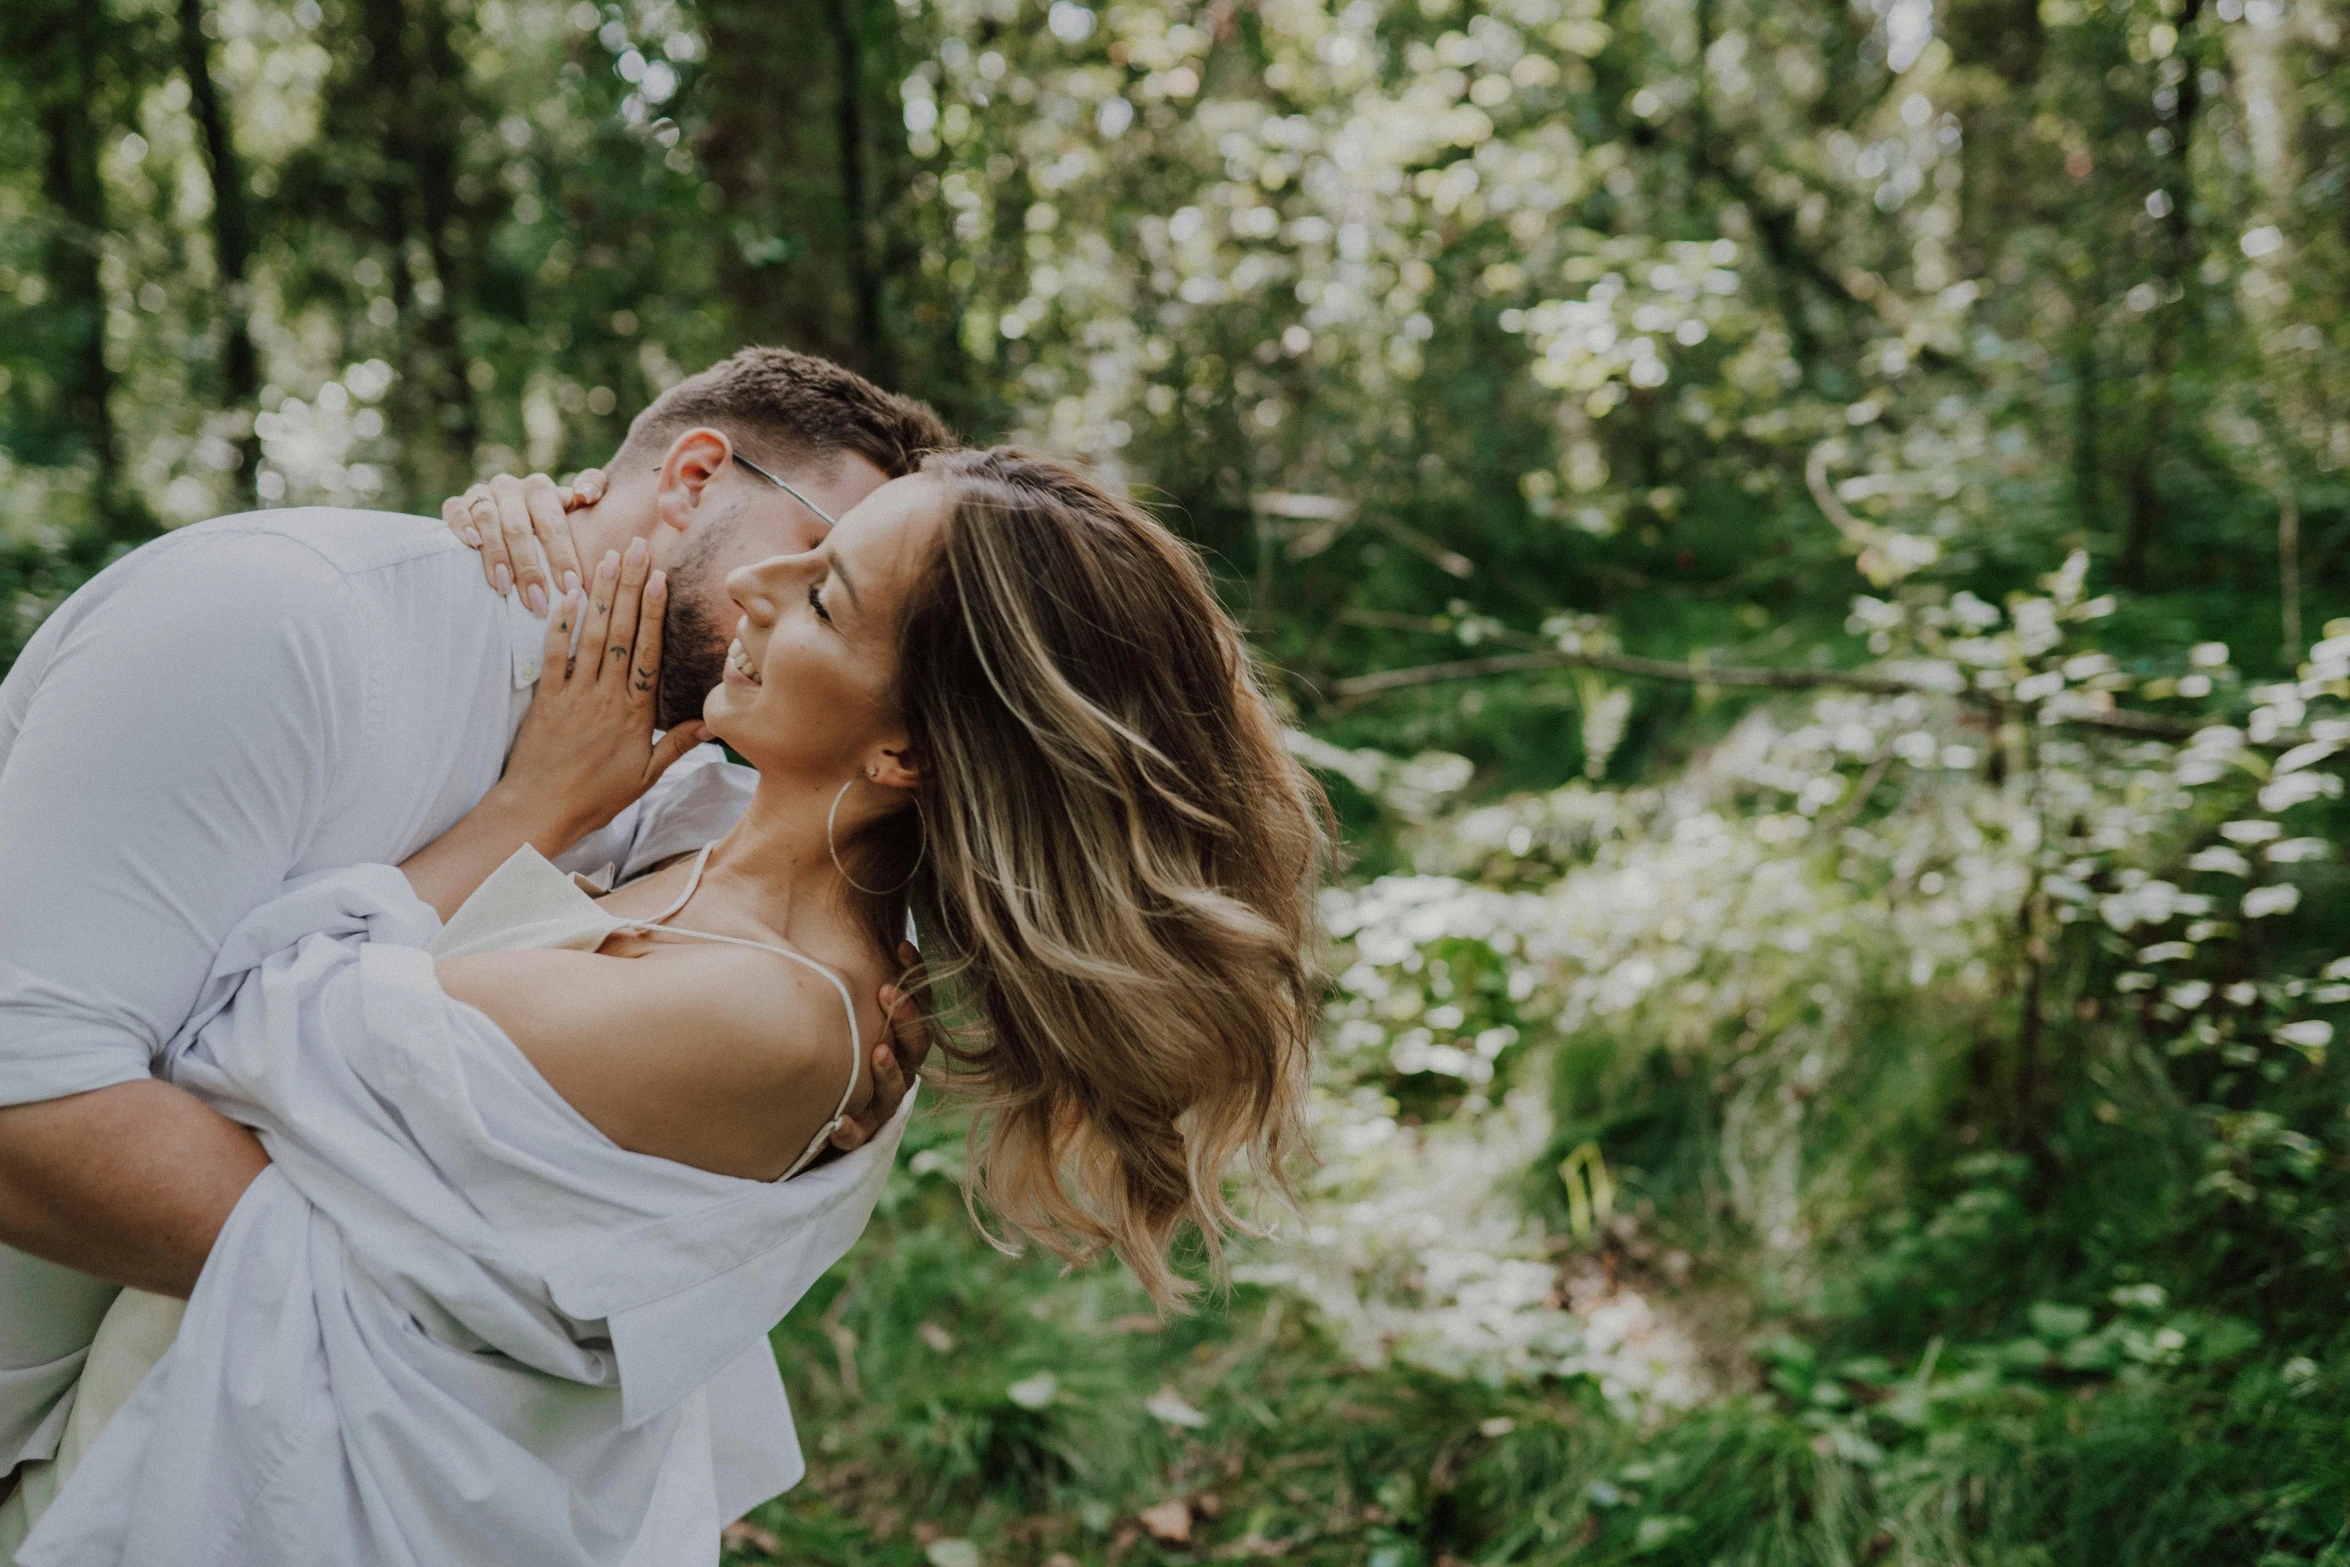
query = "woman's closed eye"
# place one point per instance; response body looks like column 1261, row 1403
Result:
column 816, row 603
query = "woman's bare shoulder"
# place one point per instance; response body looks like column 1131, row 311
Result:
column 725, row 1057
column 784, row 1021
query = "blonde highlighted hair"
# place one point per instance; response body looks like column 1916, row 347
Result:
column 1118, row 890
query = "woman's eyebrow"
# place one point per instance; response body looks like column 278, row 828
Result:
column 855, row 598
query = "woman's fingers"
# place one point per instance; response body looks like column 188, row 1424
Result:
column 596, row 620
column 555, row 654
column 457, row 516
column 627, row 612
column 522, row 555
column 475, row 520
column 454, row 518
column 545, row 503
column 585, row 489
column 644, row 670
column 673, row 745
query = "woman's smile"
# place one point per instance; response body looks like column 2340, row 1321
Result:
column 738, row 662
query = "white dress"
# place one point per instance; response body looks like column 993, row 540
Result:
column 453, row 1322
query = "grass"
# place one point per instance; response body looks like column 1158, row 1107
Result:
column 959, row 1406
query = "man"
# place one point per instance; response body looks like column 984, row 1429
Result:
column 277, row 693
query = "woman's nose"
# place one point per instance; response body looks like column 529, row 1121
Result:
column 757, row 587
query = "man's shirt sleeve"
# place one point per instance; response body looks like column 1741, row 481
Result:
column 694, row 803
column 174, row 751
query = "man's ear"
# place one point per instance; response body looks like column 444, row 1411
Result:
column 695, row 458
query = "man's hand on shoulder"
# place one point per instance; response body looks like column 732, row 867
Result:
column 502, row 517
column 897, row 1057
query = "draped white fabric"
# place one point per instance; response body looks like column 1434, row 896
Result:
column 453, row 1322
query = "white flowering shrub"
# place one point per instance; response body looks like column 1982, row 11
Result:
column 1850, row 914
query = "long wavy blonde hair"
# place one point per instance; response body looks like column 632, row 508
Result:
column 1117, row 897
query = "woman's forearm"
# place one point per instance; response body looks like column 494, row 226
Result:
column 445, row 871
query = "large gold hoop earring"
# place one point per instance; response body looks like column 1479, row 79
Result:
column 833, row 849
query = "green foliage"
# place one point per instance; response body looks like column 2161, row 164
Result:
column 1952, row 1056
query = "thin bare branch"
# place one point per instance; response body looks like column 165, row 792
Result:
column 2119, row 720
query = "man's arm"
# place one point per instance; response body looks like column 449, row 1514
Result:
column 184, row 739
column 131, row 1183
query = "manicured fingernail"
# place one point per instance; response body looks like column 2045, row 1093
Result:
column 609, row 566
column 571, row 582
column 657, row 585
column 536, row 597
column 473, row 538
column 636, row 552
column 505, row 581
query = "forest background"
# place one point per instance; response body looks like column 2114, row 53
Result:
column 1801, row 533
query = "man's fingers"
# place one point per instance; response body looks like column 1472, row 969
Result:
column 909, row 1008
column 545, row 503
column 909, row 1031
column 521, row 547
column 889, row 1092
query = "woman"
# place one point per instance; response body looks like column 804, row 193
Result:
column 451, row 1323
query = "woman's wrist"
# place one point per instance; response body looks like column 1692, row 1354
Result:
column 445, row 872
column 517, row 816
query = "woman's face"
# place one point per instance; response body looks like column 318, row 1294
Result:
column 808, row 678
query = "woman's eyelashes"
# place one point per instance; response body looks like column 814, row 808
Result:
column 816, row 603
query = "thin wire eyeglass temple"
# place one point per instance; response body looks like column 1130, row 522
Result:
column 830, row 521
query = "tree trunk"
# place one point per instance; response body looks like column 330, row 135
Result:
column 2174, row 253
column 70, row 126
column 232, row 237
column 403, row 96
column 783, row 145
column 864, row 280
column 435, row 90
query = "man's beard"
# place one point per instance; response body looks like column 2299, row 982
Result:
column 693, row 645
column 693, row 657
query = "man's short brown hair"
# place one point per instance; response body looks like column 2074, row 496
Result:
column 777, row 405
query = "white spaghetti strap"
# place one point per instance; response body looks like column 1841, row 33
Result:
column 848, row 1004
column 856, row 1045
column 692, row 885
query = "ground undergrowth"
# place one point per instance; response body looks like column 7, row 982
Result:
column 961, row 1407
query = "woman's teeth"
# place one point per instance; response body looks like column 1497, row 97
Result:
column 740, row 658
